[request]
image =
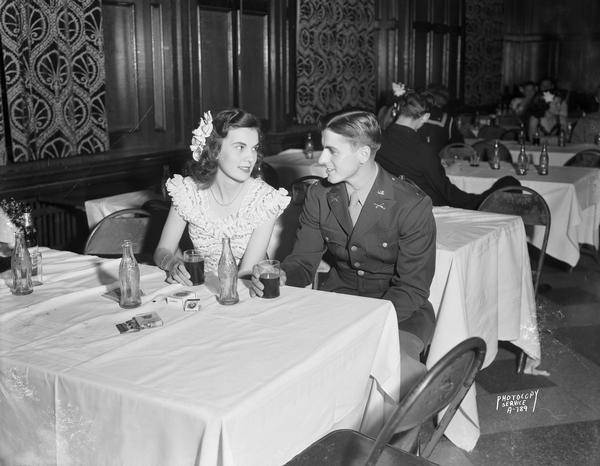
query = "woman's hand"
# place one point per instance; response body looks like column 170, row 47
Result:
column 177, row 273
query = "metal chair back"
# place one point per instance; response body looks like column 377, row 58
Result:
column 585, row 158
column 107, row 236
column 530, row 206
column 443, row 386
column 457, row 150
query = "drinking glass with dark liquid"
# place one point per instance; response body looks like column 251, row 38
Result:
column 194, row 264
column 268, row 274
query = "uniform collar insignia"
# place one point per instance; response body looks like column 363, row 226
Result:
column 381, row 192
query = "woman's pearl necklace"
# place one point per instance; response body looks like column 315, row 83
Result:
column 225, row 204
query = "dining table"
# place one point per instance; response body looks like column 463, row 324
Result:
column 249, row 384
column 98, row 208
column 482, row 286
column 557, row 155
column 572, row 195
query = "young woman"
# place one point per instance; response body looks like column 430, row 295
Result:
column 403, row 152
column 546, row 117
column 221, row 197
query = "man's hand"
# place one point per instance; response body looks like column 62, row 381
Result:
column 256, row 287
column 177, row 273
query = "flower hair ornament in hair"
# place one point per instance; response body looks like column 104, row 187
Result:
column 548, row 97
column 200, row 134
column 399, row 89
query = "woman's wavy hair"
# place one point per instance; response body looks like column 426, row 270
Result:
column 414, row 104
column 205, row 170
column 360, row 126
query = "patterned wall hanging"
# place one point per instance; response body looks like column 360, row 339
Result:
column 484, row 23
column 54, row 74
column 2, row 134
column 335, row 57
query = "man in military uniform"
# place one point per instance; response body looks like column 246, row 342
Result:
column 378, row 230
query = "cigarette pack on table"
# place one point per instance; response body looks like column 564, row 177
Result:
column 140, row 322
column 180, row 296
column 192, row 305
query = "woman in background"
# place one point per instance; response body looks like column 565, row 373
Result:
column 221, row 197
column 545, row 116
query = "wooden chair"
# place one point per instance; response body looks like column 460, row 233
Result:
column 585, row 158
column 107, row 236
column 533, row 209
column 485, row 149
column 457, row 150
column 443, row 386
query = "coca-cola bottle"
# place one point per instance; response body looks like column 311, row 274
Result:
column 544, row 161
column 228, row 275
column 129, row 278
column 20, row 265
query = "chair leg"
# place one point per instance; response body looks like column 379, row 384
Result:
column 521, row 360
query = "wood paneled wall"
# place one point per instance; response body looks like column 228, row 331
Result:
column 559, row 38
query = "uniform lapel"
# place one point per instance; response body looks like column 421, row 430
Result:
column 378, row 203
column 337, row 198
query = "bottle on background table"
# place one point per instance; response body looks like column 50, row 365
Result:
column 522, row 161
column 20, row 264
column 227, row 272
column 309, row 148
column 522, row 134
column 544, row 161
column 495, row 159
column 562, row 142
column 536, row 138
column 129, row 278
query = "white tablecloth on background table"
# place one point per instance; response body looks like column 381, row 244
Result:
column 557, row 155
column 572, row 194
column 97, row 209
column 291, row 164
column 253, row 383
column 482, row 287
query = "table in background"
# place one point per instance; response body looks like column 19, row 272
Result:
column 97, row 209
column 557, row 155
column 572, row 194
column 482, row 287
column 253, row 383
column 292, row 164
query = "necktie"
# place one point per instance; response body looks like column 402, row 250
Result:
column 354, row 207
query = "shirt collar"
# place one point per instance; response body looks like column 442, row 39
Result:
column 366, row 189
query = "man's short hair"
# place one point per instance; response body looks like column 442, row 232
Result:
column 361, row 127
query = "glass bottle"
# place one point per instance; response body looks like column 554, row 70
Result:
column 561, row 137
column 495, row 161
column 309, row 147
column 228, row 275
column 30, row 233
column 536, row 138
column 522, row 161
column 129, row 278
column 20, row 264
column 544, row 161
column 522, row 134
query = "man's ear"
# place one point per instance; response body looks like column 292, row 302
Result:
column 364, row 154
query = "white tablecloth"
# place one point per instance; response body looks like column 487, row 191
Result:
column 482, row 287
column 572, row 194
column 253, row 383
column 557, row 155
column 97, row 209
column 292, row 164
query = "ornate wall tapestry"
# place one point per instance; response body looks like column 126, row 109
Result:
column 54, row 75
column 335, row 57
column 483, row 51
column 2, row 134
